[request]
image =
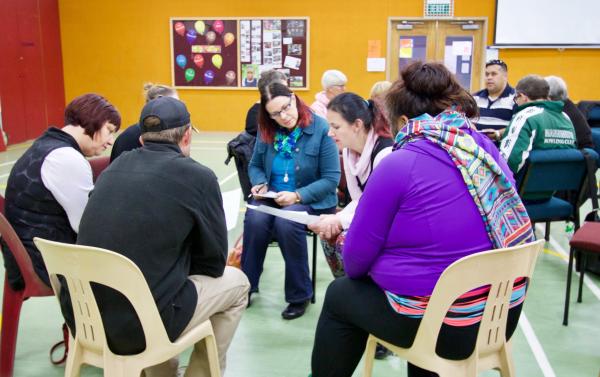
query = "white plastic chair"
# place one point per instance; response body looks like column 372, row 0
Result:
column 81, row 265
column 498, row 268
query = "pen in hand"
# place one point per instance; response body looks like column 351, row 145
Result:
column 256, row 189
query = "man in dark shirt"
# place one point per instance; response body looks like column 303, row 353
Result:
column 163, row 210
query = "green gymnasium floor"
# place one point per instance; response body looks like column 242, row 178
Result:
column 266, row 345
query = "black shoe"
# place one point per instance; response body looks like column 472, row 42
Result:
column 381, row 352
column 250, row 293
column 294, row 311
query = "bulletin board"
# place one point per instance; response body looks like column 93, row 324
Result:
column 230, row 53
column 204, row 52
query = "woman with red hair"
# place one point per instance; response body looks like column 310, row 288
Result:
column 296, row 160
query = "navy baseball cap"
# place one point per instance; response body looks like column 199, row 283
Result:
column 171, row 112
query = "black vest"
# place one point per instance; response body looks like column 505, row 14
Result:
column 31, row 208
column 380, row 144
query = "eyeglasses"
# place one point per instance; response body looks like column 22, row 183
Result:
column 517, row 95
column 284, row 109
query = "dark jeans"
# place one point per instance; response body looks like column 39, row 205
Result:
column 353, row 309
column 260, row 229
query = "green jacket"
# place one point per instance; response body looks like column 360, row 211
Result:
column 536, row 125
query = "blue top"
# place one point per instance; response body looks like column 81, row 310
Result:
column 316, row 165
column 282, row 167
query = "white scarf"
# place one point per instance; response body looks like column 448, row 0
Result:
column 359, row 165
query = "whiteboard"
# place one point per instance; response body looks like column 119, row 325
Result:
column 545, row 23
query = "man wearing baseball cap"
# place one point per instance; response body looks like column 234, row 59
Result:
column 163, row 210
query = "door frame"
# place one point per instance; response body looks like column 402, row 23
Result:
column 393, row 19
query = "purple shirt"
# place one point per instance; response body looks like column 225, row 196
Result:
column 415, row 218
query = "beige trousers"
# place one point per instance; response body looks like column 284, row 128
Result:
column 222, row 300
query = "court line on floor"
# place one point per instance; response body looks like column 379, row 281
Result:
column 221, row 182
column 554, row 253
column 19, row 146
column 536, row 347
column 8, row 163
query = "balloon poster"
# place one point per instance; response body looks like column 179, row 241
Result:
column 231, row 53
column 204, row 52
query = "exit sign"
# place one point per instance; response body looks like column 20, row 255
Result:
column 439, row 8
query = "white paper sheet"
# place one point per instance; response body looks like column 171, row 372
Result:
column 464, row 68
column 450, row 59
column 375, row 64
column 462, row 48
column 292, row 62
column 268, row 194
column 267, row 36
column 296, row 216
column 491, row 54
column 231, row 206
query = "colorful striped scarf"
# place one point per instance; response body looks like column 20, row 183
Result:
column 503, row 213
column 506, row 220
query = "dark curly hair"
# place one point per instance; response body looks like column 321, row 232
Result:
column 427, row 88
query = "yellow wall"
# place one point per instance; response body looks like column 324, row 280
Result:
column 112, row 47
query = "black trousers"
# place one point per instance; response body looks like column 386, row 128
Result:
column 353, row 309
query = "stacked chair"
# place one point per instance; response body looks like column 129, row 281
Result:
column 591, row 112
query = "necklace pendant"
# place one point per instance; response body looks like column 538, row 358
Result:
column 286, row 178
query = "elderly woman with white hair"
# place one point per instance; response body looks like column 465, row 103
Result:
column 333, row 83
column 558, row 92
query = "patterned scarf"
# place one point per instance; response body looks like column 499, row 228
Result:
column 285, row 142
column 506, row 220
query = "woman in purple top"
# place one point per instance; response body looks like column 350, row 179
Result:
column 415, row 218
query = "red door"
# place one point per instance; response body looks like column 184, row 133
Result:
column 31, row 77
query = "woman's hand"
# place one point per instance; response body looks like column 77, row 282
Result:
column 259, row 189
column 286, row 198
column 328, row 227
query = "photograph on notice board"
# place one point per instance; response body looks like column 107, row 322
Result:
column 245, row 56
column 292, row 62
column 295, row 49
column 204, row 52
column 249, row 75
column 296, row 81
column 272, row 24
column 295, row 28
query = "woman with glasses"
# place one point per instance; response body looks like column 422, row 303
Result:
column 442, row 194
column 295, row 167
